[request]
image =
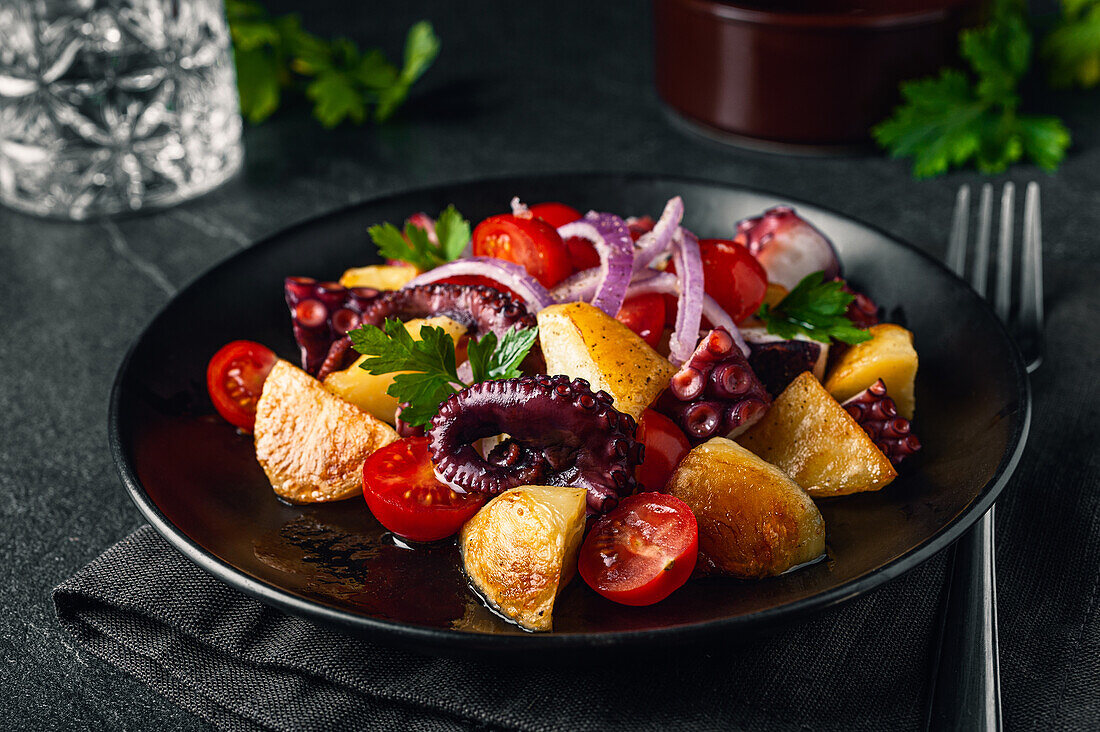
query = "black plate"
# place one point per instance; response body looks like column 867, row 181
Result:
column 199, row 485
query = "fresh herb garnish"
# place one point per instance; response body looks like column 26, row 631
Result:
column 1072, row 48
column 958, row 118
column 276, row 53
column 452, row 231
column 814, row 308
column 425, row 370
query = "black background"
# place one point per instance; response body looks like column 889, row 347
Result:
column 519, row 88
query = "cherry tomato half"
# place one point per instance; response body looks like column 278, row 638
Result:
column 403, row 494
column 555, row 214
column 530, row 242
column 235, row 379
column 665, row 446
column 732, row 276
column 641, row 551
column 645, row 315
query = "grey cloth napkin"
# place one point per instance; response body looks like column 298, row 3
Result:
column 241, row 665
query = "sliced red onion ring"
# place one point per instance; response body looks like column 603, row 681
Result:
column 689, row 308
column 788, row 247
column 666, row 283
column 578, row 286
column 611, row 238
column 655, row 242
column 509, row 274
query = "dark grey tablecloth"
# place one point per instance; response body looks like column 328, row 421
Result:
column 233, row 661
column 521, row 88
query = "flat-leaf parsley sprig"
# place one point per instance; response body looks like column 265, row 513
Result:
column 415, row 246
column 425, row 371
column 814, row 308
column 959, row 118
column 276, row 53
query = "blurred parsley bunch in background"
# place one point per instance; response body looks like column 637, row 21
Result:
column 963, row 117
column 275, row 54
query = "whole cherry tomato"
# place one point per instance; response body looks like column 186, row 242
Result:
column 582, row 255
column 235, row 379
column 665, row 446
column 732, row 276
column 645, row 315
column 403, row 493
column 530, row 242
column 642, row 550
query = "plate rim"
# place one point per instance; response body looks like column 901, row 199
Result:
column 444, row 639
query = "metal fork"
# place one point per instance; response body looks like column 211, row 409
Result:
column 967, row 693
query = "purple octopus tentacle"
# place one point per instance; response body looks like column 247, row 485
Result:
column 715, row 392
column 877, row 414
column 560, row 433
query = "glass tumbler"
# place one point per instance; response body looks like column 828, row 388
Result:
column 110, row 106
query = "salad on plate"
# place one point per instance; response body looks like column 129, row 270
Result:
column 560, row 394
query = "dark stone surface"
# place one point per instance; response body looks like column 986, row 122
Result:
column 545, row 87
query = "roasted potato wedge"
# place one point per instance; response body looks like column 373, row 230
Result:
column 520, row 550
column 379, row 276
column 754, row 521
column 367, row 391
column 310, row 442
column 889, row 356
column 810, row 437
column 581, row 341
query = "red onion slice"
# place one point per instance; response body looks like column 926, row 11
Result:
column 655, row 242
column 666, row 283
column 689, row 308
column 611, row 238
column 509, row 274
column 788, row 247
column 578, row 286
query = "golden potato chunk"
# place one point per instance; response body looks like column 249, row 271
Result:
column 581, row 341
column 379, row 276
column 310, row 442
column 810, row 437
column 367, row 391
column 889, row 356
column 520, row 550
column 754, row 521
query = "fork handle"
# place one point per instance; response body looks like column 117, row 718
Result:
column 967, row 692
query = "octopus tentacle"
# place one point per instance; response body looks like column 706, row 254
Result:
column 715, row 392
column 877, row 414
column 560, row 433
column 323, row 313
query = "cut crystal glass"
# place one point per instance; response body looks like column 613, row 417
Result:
column 109, row 106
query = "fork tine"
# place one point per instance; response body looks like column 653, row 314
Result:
column 1031, row 280
column 960, row 225
column 981, row 250
column 1003, row 298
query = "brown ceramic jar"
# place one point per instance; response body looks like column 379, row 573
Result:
column 803, row 72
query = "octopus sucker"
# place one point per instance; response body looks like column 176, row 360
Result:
column 559, row 433
column 715, row 392
column 877, row 414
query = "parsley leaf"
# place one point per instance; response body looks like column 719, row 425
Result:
column 814, row 308
column 453, row 233
column 1071, row 50
column 425, row 372
column 414, row 246
column 959, row 118
column 490, row 360
column 276, row 53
